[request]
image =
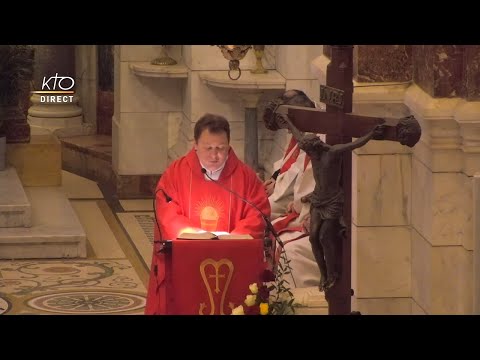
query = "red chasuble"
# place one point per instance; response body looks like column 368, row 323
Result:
column 201, row 204
column 197, row 204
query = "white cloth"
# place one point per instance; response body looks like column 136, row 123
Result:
column 292, row 185
column 284, row 184
column 215, row 174
column 305, row 271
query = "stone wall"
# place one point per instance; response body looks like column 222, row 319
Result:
column 412, row 241
column 162, row 110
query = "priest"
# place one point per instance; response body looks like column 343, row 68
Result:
column 205, row 190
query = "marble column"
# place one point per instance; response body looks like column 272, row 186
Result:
column 43, row 116
column 472, row 71
column 438, row 69
column 383, row 63
column 445, row 104
column 380, row 63
column 17, row 129
column 105, row 89
column 86, row 69
column 441, row 208
column 250, row 101
column 476, row 237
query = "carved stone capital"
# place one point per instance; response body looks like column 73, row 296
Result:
column 54, row 109
column 54, row 115
column 250, row 97
column 440, row 146
column 467, row 116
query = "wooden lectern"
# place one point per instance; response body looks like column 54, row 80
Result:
column 208, row 277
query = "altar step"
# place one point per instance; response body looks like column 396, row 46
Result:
column 54, row 231
column 15, row 209
column 90, row 156
column 310, row 301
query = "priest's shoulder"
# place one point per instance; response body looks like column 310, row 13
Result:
column 179, row 163
column 247, row 172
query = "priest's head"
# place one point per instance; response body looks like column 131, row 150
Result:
column 212, row 141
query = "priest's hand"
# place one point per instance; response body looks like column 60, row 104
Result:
column 290, row 207
column 269, row 186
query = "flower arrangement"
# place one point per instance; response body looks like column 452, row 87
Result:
column 272, row 296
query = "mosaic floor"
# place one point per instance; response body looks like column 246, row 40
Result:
column 113, row 277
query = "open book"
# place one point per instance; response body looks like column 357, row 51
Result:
column 211, row 236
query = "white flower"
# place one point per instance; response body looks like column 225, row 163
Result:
column 238, row 310
column 250, row 300
column 253, row 288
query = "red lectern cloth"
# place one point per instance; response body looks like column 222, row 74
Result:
column 204, row 277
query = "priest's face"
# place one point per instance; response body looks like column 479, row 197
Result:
column 212, row 149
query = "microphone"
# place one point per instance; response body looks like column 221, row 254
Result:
column 265, row 218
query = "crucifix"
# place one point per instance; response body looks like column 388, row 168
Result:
column 330, row 232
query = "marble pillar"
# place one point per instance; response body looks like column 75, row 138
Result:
column 383, row 63
column 86, row 70
column 45, row 116
column 105, row 89
column 476, row 245
column 250, row 156
column 438, row 69
column 15, row 123
column 443, row 100
column 442, row 227
column 472, row 73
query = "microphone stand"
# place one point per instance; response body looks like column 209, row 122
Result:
column 167, row 244
column 268, row 244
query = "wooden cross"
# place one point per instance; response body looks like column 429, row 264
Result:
column 339, row 127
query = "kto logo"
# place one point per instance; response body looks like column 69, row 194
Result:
column 54, row 86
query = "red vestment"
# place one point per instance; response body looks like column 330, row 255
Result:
column 198, row 203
